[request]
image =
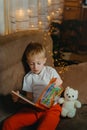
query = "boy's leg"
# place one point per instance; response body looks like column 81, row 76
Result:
column 51, row 118
column 17, row 121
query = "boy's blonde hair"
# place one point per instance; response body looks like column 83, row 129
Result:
column 35, row 48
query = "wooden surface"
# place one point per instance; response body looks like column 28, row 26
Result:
column 72, row 9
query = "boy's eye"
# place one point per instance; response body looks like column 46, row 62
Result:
column 38, row 63
column 31, row 63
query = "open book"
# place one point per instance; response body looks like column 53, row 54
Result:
column 27, row 100
column 46, row 98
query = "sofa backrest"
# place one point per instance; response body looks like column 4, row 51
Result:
column 12, row 48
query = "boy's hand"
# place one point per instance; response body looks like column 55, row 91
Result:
column 14, row 97
column 58, row 82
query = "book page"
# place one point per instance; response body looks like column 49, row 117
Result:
column 27, row 100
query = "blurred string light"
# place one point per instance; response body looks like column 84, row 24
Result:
column 63, row 69
column 60, row 65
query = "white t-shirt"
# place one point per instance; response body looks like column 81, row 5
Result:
column 36, row 83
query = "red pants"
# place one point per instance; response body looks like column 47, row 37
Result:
column 48, row 119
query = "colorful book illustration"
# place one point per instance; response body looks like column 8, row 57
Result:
column 46, row 98
column 51, row 91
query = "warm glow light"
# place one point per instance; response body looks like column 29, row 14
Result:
column 40, row 23
column 32, row 26
column 19, row 14
column 48, row 17
column 57, row 11
column 30, row 12
column 49, row 2
column 53, row 13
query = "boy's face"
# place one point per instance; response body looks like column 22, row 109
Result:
column 36, row 63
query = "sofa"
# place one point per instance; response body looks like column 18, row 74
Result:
column 13, row 68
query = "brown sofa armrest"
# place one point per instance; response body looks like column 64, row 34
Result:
column 75, row 76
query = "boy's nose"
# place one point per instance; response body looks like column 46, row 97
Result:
column 35, row 66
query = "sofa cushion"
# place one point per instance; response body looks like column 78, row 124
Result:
column 79, row 122
column 11, row 78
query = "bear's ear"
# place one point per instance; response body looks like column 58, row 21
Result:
column 68, row 87
column 76, row 92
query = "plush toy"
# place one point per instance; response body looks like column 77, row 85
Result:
column 69, row 102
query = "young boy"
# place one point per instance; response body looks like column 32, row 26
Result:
column 34, row 83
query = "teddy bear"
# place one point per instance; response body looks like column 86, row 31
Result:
column 69, row 102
